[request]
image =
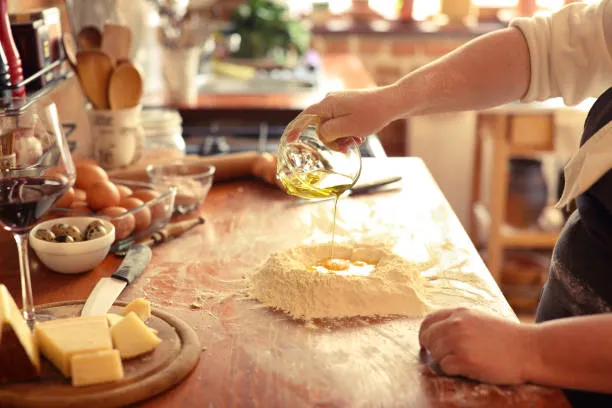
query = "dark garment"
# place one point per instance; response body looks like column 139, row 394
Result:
column 580, row 274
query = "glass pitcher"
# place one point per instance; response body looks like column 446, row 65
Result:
column 311, row 169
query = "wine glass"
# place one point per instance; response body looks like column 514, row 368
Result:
column 309, row 168
column 36, row 169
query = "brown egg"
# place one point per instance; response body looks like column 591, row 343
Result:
column 66, row 200
column 124, row 191
column 88, row 175
column 145, row 195
column 83, row 160
column 142, row 215
column 103, row 194
column 80, row 206
column 80, row 195
column 124, row 223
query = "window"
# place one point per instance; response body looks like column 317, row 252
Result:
column 425, row 8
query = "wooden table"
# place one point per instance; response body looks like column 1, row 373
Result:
column 256, row 357
column 340, row 71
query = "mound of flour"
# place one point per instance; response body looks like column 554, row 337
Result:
column 285, row 282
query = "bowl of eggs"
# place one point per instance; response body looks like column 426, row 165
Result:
column 135, row 209
column 72, row 244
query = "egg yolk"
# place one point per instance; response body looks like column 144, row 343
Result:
column 344, row 267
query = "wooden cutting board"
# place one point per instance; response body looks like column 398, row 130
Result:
column 145, row 376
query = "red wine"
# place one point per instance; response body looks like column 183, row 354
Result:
column 24, row 200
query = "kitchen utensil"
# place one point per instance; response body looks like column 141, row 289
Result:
column 363, row 188
column 95, row 68
column 74, row 257
column 108, row 289
column 229, row 166
column 167, row 233
column 125, row 87
column 70, row 48
column 117, row 41
column 309, row 168
column 89, row 38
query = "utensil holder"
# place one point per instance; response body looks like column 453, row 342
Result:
column 117, row 136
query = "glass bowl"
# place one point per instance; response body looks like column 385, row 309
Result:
column 311, row 169
column 158, row 212
column 191, row 180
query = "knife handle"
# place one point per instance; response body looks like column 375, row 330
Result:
column 135, row 261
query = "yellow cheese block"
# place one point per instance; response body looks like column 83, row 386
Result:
column 132, row 337
column 141, row 307
column 96, row 367
column 19, row 356
column 60, row 339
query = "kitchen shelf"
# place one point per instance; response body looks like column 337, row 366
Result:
column 515, row 131
column 528, row 238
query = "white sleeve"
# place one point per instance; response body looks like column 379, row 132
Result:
column 569, row 52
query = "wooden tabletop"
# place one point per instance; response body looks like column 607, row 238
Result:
column 339, row 71
column 256, row 357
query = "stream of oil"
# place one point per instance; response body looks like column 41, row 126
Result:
column 318, row 184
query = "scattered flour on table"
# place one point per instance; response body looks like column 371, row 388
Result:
column 285, row 282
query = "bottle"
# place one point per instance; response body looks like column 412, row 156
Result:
column 5, row 76
column 8, row 44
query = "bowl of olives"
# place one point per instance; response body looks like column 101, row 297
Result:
column 72, row 244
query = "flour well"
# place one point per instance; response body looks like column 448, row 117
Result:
column 288, row 282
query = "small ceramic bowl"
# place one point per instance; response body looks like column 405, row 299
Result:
column 192, row 181
column 74, row 257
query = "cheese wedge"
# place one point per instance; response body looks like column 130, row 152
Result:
column 19, row 356
column 132, row 337
column 60, row 339
column 141, row 307
column 96, row 367
column 113, row 318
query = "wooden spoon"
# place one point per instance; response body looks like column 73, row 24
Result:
column 89, row 38
column 125, row 87
column 95, row 68
column 117, row 41
column 70, row 49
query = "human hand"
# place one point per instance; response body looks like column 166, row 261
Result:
column 352, row 115
column 479, row 345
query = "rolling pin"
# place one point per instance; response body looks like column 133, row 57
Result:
column 229, row 166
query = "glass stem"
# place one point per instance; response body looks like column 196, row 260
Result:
column 24, row 270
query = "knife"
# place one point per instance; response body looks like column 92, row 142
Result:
column 108, row 289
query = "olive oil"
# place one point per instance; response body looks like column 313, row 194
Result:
column 318, row 184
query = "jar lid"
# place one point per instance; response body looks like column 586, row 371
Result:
column 160, row 118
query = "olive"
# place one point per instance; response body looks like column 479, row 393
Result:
column 96, row 231
column 64, row 238
column 60, row 229
column 45, row 235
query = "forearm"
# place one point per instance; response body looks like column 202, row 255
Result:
column 573, row 353
column 491, row 70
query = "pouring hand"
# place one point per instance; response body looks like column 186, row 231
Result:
column 352, row 115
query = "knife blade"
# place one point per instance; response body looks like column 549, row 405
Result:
column 108, row 289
